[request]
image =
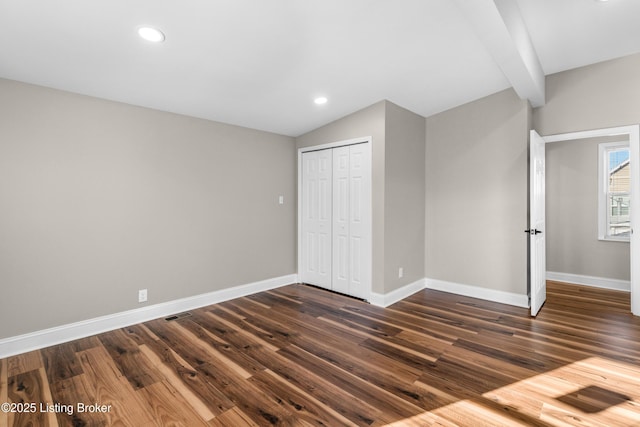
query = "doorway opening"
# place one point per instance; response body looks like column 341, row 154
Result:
column 632, row 134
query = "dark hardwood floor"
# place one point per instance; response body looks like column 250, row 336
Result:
column 301, row 356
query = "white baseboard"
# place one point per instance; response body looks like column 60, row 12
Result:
column 519, row 300
column 597, row 282
column 385, row 300
column 59, row 334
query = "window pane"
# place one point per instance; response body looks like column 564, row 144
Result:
column 615, row 190
column 618, row 161
column 619, row 220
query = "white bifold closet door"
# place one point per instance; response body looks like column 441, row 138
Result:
column 316, row 218
column 336, row 219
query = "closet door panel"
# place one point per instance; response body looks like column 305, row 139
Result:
column 341, row 250
column 359, row 220
column 324, row 217
column 316, row 218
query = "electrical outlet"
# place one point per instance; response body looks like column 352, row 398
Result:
column 281, row 200
column 142, row 295
column 400, row 272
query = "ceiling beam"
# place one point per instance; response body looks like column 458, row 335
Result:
column 500, row 27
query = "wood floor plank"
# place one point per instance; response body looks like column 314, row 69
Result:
column 60, row 362
column 233, row 417
column 408, row 357
column 322, row 341
column 133, row 364
column 195, row 354
column 67, row 393
column 314, row 295
column 247, row 397
column 303, row 378
column 168, row 407
column 30, row 388
column 390, row 405
column 526, row 359
column 586, row 343
column 216, row 402
column 283, row 326
column 113, row 390
column 384, row 373
column 341, row 400
column 268, row 328
column 411, row 322
column 511, row 372
column 182, row 389
column 297, row 402
column 314, row 384
column 85, row 343
column 302, row 356
column 485, row 413
column 228, row 329
column 245, row 365
column 25, row 362
column 213, row 344
column 355, row 358
column 366, row 323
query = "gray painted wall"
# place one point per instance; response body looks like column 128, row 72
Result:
column 404, row 196
column 476, row 193
column 597, row 96
column 100, row 199
column 572, row 213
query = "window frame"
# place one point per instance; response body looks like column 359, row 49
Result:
column 603, row 194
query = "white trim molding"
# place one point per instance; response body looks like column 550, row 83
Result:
column 64, row 333
column 519, row 300
column 385, row 300
column 596, row 282
column 335, row 144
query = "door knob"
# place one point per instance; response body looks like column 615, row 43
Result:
column 533, row 231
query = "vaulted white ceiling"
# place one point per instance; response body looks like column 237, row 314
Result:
column 260, row 63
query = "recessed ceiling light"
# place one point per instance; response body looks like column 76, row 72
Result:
column 320, row 100
column 151, row 34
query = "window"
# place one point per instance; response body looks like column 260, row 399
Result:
column 614, row 191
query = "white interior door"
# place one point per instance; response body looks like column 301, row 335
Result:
column 351, row 220
column 634, row 244
column 537, row 228
column 316, row 215
column 360, row 220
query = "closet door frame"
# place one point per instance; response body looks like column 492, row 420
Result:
column 368, row 275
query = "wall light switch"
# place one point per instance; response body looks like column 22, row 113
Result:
column 281, row 200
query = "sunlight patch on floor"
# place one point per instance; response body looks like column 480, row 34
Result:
column 595, row 392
